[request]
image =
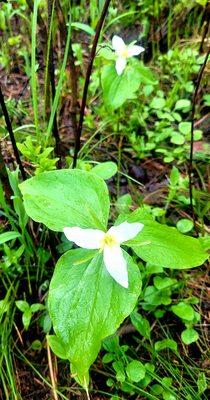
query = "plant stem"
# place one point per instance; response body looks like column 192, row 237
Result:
column 4, row 178
column 51, row 370
column 206, row 26
column 51, row 73
column 87, row 81
column 34, row 80
column 73, row 72
column 190, row 169
column 11, row 134
column 41, row 25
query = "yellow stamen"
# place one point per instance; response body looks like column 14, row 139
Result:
column 124, row 53
column 108, row 240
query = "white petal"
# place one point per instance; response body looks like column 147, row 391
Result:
column 118, row 43
column 120, row 65
column 135, row 50
column 125, row 231
column 86, row 238
column 116, row 264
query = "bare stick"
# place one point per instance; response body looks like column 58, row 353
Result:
column 87, row 81
column 73, row 72
column 4, row 178
column 11, row 134
column 52, row 377
column 190, row 169
column 206, row 26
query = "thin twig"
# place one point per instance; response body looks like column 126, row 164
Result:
column 206, row 27
column 87, row 80
column 11, row 134
column 73, row 71
column 4, row 178
column 52, row 377
column 190, row 169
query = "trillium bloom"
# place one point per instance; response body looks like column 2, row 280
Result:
column 108, row 242
column 124, row 52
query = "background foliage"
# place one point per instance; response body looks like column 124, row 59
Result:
column 137, row 136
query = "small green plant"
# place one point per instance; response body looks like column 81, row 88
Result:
column 189, row 317
column 28, row 311
column 40, row 158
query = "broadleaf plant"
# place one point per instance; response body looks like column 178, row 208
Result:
column 85, row 303
column 67, row 198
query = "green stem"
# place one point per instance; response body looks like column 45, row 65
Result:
column 33, row 66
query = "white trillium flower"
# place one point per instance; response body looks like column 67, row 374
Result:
column 124, row 52
column 108, row 242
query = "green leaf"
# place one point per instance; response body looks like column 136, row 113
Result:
column 119, row 369
column 6, row 236
column 177, row 138
column 168, row 395
column 198, row 133
column 139, row 215
column 111, row 344
column 154, row 297
column 22, row 305
column 163, row 283
column 84, row 27
column 166, row 381
column 184, row 225
column 4, row 306
column 147, row 90
column 174, row 176
column 153, row 269
column 45, row 323
column 135, row 371
column 67, row 198
column 146, row 75
column 206, row 97
column 105, row 52
column 107, row 358
column 166, row 344
column 86, row 305
column 189, row 336
column 183, row 311
column 105, row 170
column 57, row 346
column 156, row 389
column 159, row 313
column 189, row 397
column 157, row 103
column 36, row 345
column 185, row 127
column 123, row 204
column 37, row 307
column 117, row 89
column 202, row 2
column 26, row 318
column 164, row 246
column 201, row 383
column 150, row 368
column 183, row 104
column 141, row 324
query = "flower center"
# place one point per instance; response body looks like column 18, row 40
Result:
column 108, row 240
column 124, row 52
